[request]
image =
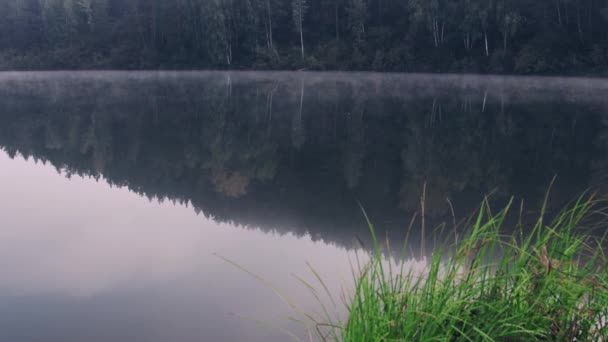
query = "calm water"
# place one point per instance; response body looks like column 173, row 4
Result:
column 119, row 191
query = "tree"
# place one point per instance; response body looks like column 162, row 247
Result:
column 299, row 8
column 217, row 31
column 85, row 8
column 382, row 35
column 510, row 21
column 485, row 14
column 470, row 22
column 433, row 14
column 28, row 28
column 357, row 16
column 269, row 38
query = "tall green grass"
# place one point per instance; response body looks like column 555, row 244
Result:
column 548, row 282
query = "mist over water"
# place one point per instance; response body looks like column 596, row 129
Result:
column 133, row 180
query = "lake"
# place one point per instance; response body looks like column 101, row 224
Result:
column 125, row 196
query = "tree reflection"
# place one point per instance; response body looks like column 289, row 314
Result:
column 298, row 154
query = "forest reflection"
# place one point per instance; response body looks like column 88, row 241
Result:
column 298, row 152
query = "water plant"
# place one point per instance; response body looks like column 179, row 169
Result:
column 546, row 282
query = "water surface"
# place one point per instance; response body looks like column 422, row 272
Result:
column 118, row 190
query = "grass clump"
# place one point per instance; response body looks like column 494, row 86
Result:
column 549, row 284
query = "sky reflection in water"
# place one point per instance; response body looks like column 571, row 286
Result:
column 80, row 260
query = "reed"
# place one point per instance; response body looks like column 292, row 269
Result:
column 546, row 282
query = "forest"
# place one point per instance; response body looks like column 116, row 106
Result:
column 481, row 36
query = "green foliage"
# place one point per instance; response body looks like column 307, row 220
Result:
column 541, row 56
column 547, row 283
column 380, row 35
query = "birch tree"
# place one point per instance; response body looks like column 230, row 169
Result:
column 85, row 7
column 470, row 22
column 509, row 20
column 432, row 13
column 299, row 8
column 217, row 33
column 484, row 19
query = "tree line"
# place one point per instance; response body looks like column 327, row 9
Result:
column 501, row 36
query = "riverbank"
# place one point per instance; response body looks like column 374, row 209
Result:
column 549, row 284
column 85, row 59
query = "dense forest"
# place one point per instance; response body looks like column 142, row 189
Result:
column 296, row 154
column 496, row 36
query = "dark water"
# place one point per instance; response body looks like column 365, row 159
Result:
column 118, row 191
